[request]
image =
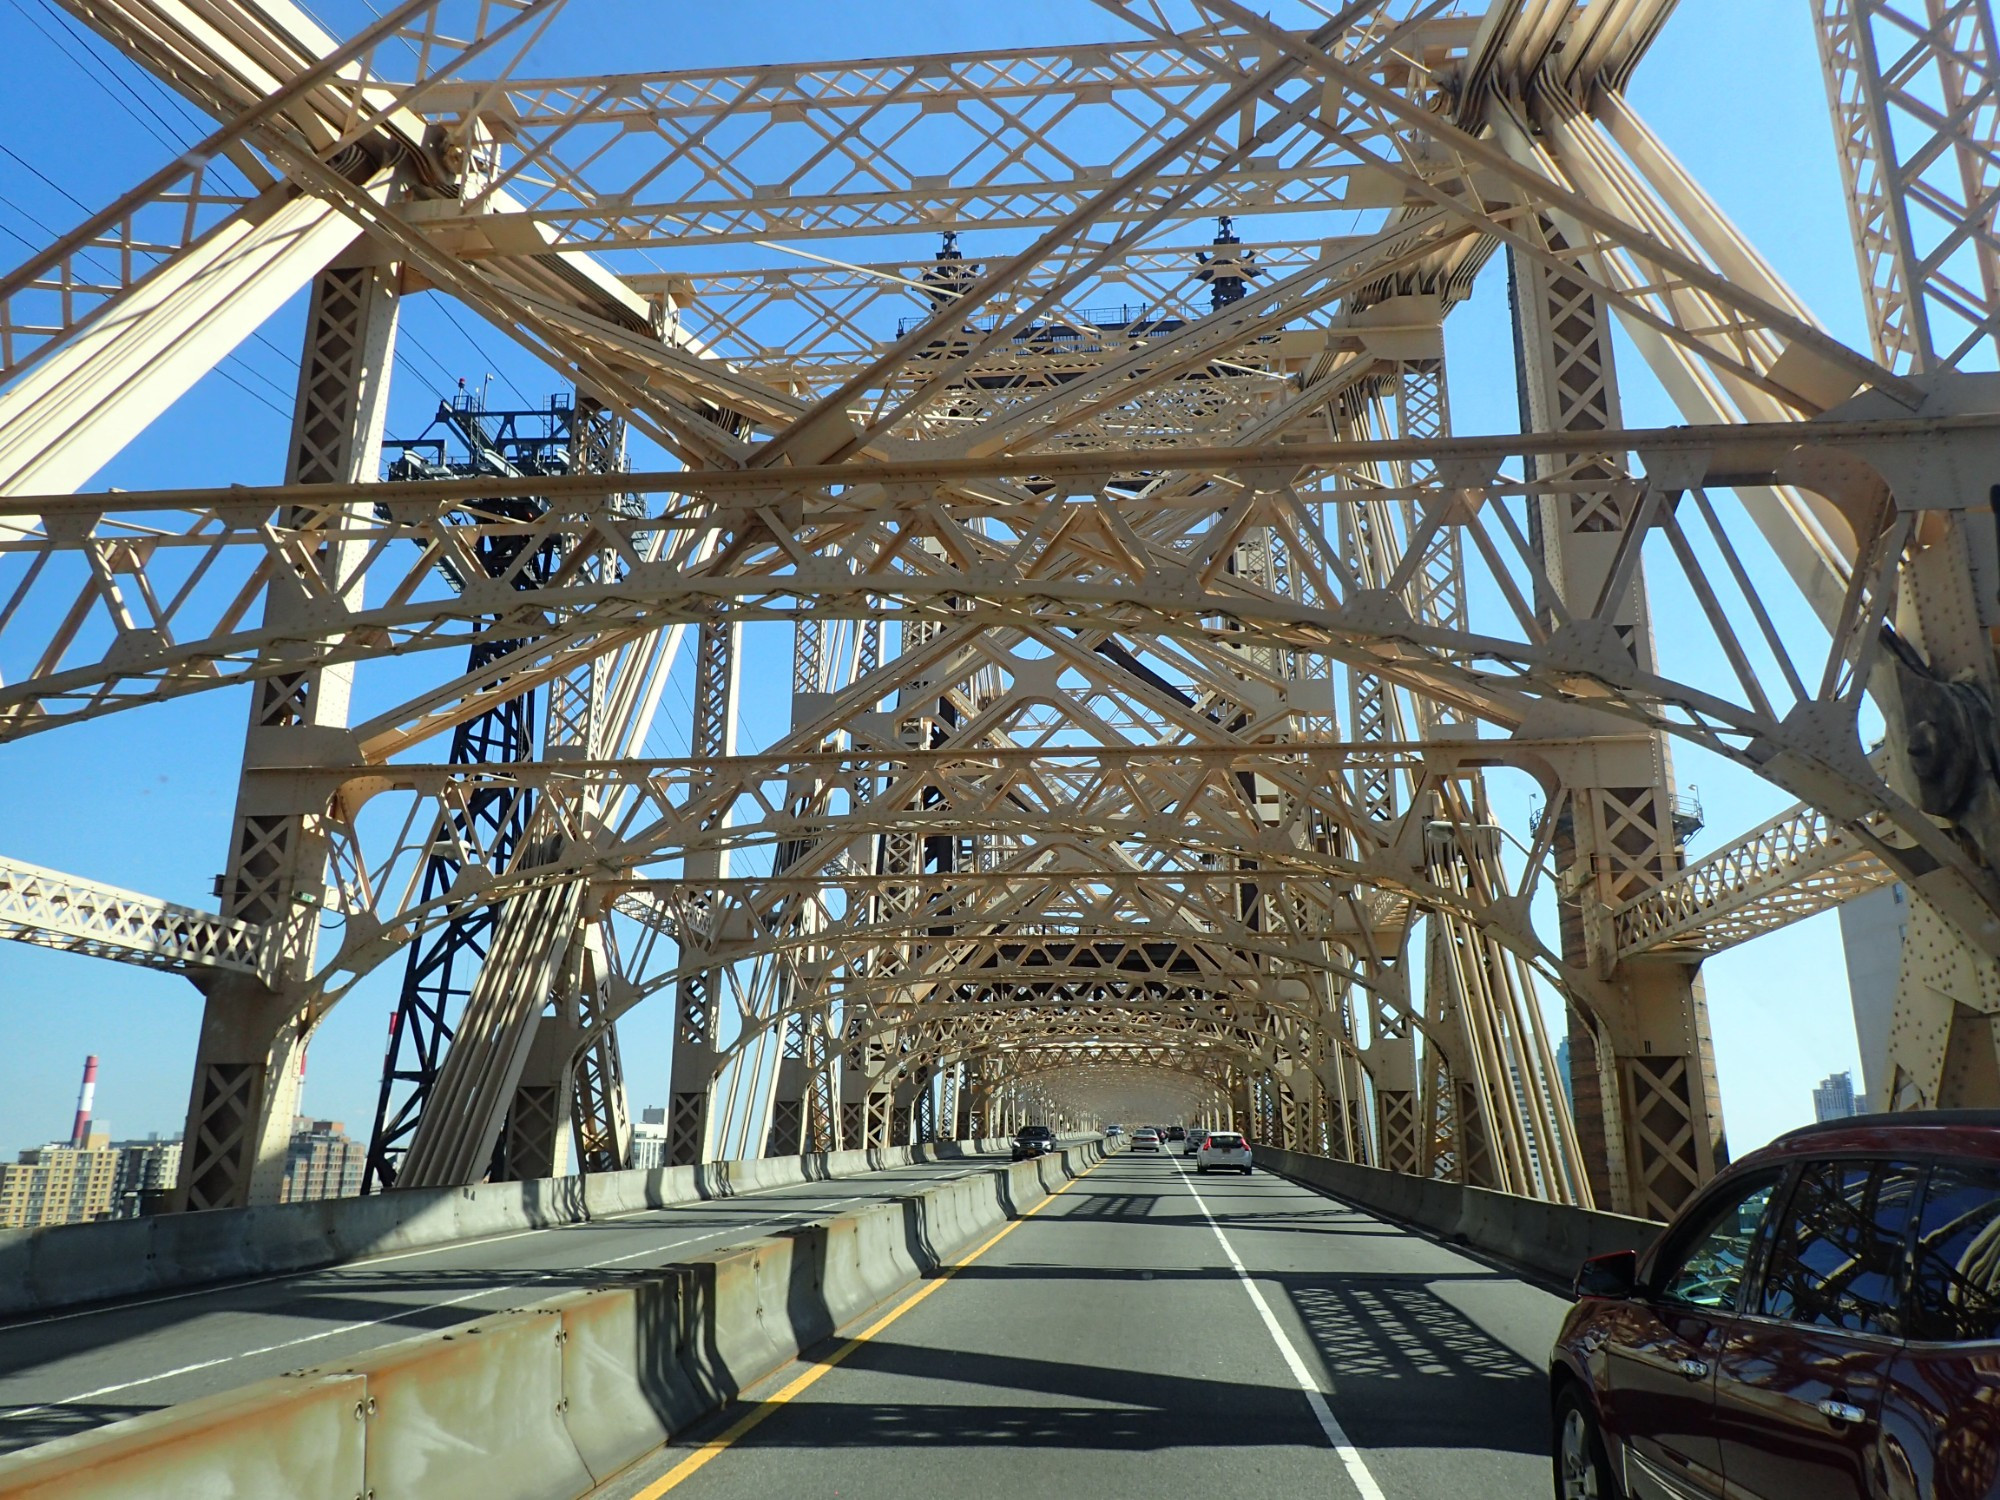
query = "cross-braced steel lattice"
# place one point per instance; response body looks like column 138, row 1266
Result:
column 1080, row 417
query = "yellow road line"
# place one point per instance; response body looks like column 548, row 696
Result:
column 713, row 1449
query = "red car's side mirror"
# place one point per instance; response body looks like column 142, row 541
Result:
column 1615, row 1275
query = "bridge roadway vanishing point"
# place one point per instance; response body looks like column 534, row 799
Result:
column 1142, row 1331
column 1155, row 1333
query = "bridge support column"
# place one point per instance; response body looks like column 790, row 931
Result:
column 692, row 1073
column 868, row 1088
column 573, row 1080
column 600, row 1113
column 1940, row 692
column 803, row 1112
column 854, row 1085
column 253, row 1036
column 1437, row 1114
column 697, row 1060
column 785, row 1134
column 914, row 1119
column 1654, row 1134
column 571, row 1083
column 1392, row 1065
column 535, row 1140
column 980, row 1106
column 966, row 1112
column 1919, row 177
column 467, row 1114
column 1461, row 1147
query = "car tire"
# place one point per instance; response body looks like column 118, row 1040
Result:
column 1581, row 1468
column 1246, row 1171
column 1200, row 1170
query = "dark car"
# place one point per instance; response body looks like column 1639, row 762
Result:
column 1177, row 1132
column 1821, row 1323
column 1031, row 1141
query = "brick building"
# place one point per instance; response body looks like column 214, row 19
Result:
column 323, row 1162
column 59, row 1184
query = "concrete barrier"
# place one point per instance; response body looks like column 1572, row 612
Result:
column 45, row 1270
column 1552, row 1239
column 301, row 1437
column 549, row 1401
column 625, row 1371
column 474, row 1413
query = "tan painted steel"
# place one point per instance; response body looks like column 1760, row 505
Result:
column 1157, row 647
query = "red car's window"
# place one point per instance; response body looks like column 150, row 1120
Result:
column 1837, row 1258
column 1955, row 1291
column 1707, row 1268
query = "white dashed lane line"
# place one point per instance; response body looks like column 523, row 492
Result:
column 1336, row 1435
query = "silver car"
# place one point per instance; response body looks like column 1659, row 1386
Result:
column 1223, row 1151
column 1146, row 1139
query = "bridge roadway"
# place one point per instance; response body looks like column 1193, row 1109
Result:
column 70, row 1371
column 1154, row 1333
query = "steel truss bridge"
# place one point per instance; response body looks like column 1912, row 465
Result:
column 1154, row 637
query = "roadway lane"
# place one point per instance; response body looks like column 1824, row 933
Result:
column 71, row 1371
column 1107, row 1347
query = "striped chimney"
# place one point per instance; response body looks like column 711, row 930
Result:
column 80, row 1131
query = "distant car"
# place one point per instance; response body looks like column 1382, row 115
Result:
column 1820, row 1321
column 1031, row 1141
column 1194, row 1140
column 1176, row 1132
column 1114, row 1130
column 1223, row 1151
column 1146, row 1139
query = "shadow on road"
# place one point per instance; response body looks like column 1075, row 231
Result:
column 25, row 1426
column 1411, row 1370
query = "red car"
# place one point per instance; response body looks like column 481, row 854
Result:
column 1821, row 1323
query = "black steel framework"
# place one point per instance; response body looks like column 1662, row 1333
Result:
column 466, row 439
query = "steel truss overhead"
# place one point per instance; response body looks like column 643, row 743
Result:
column 1157, row 648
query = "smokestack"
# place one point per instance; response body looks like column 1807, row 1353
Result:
column 80, row 1131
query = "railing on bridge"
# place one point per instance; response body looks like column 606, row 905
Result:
column 52, row 910
column 1795, row 866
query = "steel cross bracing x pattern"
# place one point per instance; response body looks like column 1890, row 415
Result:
column 318, row 97
column 1912, row 89
column 1154, row 638
column 1325, row 585
column 1915, row 93
column 805, row 326
column 1480, row 1024
column 857, row 555
column 803, row 152
column 55, row 910
column 437, row 981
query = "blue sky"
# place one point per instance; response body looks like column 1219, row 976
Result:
column 144, row 800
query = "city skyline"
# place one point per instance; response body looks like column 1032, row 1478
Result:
column 90, row 1174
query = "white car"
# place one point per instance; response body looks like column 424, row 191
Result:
column 1223, row 1150
column 1147, row 1139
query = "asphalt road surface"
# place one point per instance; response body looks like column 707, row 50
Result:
column 1153, row 1333
column 70, row 1371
